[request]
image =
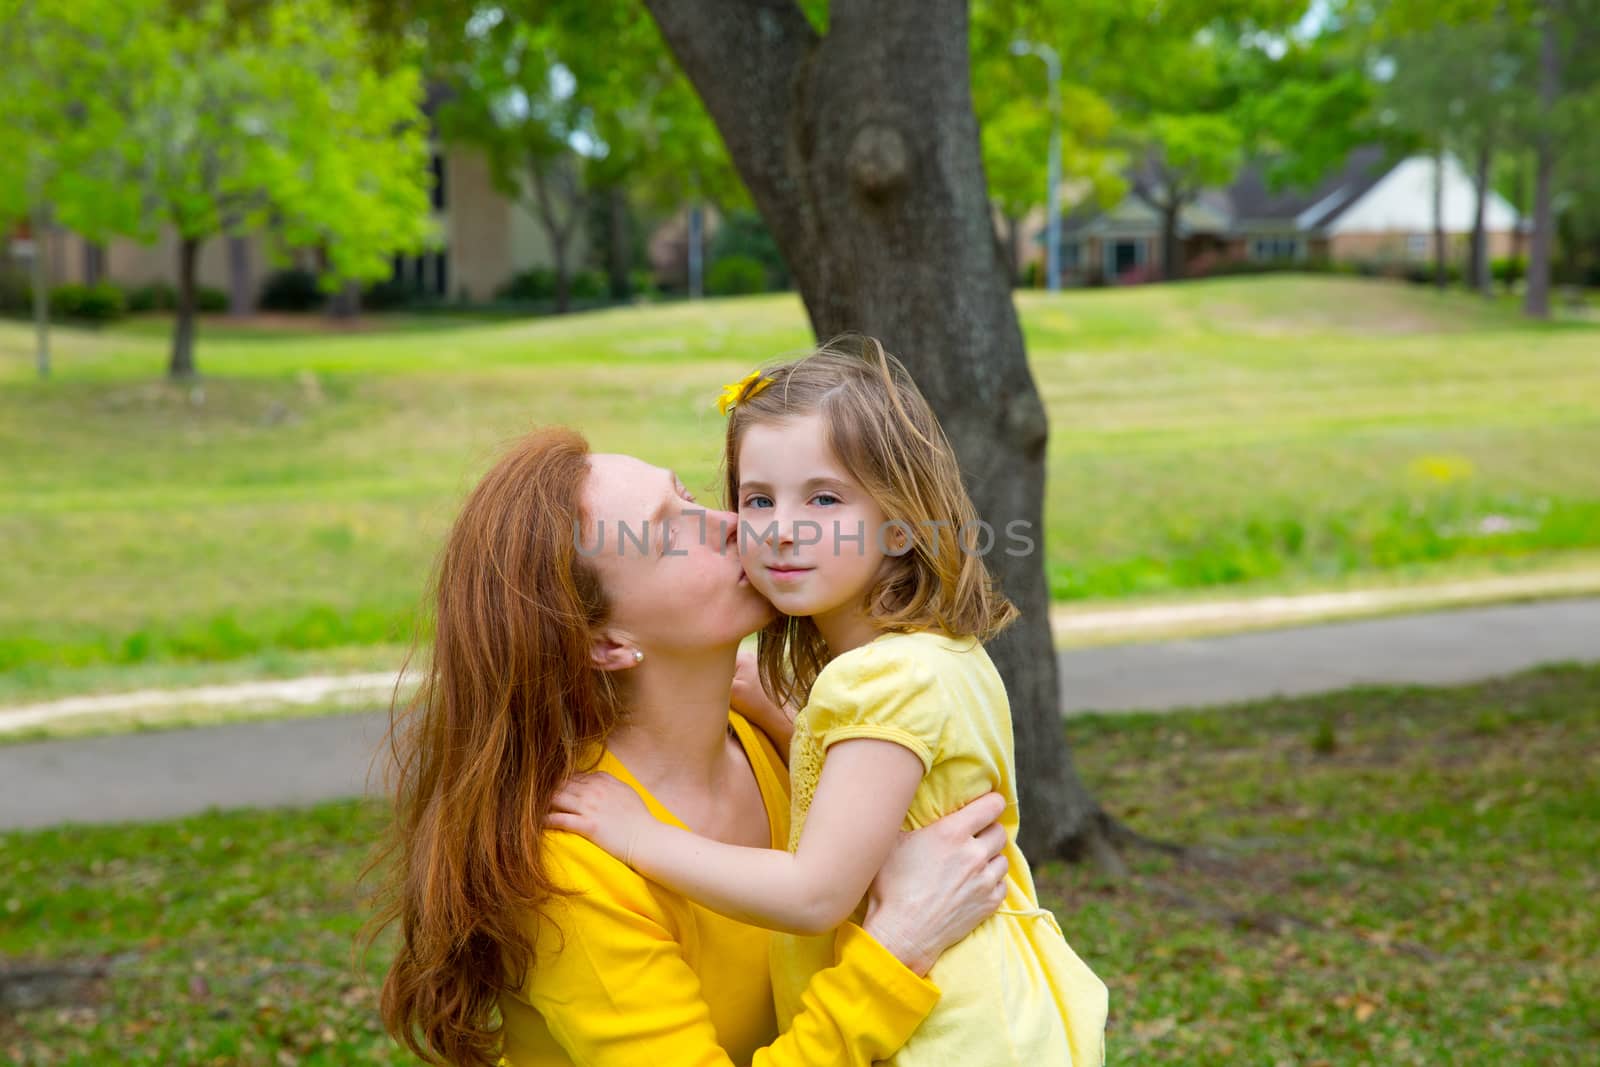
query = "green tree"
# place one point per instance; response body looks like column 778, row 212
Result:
column 62, row 138
column 281, row 123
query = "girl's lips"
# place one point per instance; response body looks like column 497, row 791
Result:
column 788, row 572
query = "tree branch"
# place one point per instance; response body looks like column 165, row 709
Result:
column 743, row 57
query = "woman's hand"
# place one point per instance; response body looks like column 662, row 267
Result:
column 939, row 883
column 603, row 809
column 751, row 700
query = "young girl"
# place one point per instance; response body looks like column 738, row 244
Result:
column 854, row 523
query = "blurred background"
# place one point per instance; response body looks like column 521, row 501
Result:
column 1310, row 293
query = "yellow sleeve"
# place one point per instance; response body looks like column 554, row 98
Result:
column 879, row 691
column 613, row 986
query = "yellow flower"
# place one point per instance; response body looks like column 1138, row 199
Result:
column 736, row 393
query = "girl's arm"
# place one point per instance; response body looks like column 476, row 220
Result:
column 854, row 820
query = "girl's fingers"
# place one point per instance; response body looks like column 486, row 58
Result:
column 560, row 820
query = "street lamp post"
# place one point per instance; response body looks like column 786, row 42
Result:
column 1052, row 237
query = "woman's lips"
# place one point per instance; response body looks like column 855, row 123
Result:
column 780, row 574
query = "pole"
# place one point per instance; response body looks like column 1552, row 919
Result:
column 1053, row 199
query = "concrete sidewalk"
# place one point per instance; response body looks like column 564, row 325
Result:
column 302, row 761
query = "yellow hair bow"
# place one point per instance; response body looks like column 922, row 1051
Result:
column 737, row 392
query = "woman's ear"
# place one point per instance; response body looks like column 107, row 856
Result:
column 613, row 652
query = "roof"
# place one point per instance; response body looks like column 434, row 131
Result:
column 1251, row 200
column 1307, row 207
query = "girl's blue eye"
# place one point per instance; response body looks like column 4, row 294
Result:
column 820, row 497
column 757, row 501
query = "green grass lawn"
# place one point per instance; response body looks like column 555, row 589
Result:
column 1282, row 432
column 1382, row 876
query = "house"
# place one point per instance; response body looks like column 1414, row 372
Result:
column 1372, row 209
column 486, row 238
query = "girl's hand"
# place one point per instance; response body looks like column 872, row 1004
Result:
column 751, row 700
column 604, row 810
column 939, row 883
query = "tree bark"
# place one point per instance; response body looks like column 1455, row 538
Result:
column 1440, row 259
column 1536, row 302
column 1013, row 250
column 1171, row 251
column 41, row 291
column 861, row 151
column 182, row 367
column 241, row 297
column 619, row 244
column 557, row 230
column 1478, row 260
column 1521, row 221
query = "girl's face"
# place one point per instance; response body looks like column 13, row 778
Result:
column 810, row 536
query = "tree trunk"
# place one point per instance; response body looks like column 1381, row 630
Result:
column 555, row 229
column 619, row 244
column 1536, row 302
column 1440, row 259
column 1521, row 221
column 241, row 296
column 1013, row 250
column 697, row 252
column 1478, row 261
column 1171, row 251
column 41, row 291
column 182, row 366
column 861, row 151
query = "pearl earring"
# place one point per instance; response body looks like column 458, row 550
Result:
column 638, row 657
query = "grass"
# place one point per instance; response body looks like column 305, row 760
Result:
column 1248, row 434
column 1383, row 876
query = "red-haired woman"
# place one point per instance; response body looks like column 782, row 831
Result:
column 588, row 615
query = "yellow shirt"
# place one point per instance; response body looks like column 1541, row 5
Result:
column 1012, row 992
column 630, row 974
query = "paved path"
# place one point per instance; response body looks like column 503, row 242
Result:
column 299, row 761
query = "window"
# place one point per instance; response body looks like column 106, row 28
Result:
column 1417, row 245
column 1270, row 249
column 1069, row 255
column 436, row 164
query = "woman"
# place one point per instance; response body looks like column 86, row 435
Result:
column 588, row 616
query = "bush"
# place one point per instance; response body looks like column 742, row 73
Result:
column 156, row 296
column 744, row 234
column 1030, row 275
column 389, row 295
column 88, row 303
column 1508, row 270
column 642, row 284
column 1422, row 273
column 589, row 285
column 535, row 283
column 736, row 275
column 16, row 295
column 210, row 300
column 291, row 290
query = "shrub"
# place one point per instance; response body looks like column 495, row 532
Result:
column 388, row 295
column 736, row 275
column 88, row 303
column 1508, row 270
column 642, row 283
column 589, row 285
column 535, row 283
column 745, row 234
column 209, row 299
column 16, row 295
column 1422, row 273
column 154, row 296
column 291, row 290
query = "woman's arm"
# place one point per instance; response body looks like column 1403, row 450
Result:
column 854, row 820
column 612, row 985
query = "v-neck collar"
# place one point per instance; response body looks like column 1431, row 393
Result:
column 774, row 798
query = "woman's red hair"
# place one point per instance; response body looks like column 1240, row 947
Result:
column 508, row 708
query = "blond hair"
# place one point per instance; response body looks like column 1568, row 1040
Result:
column 879, row 426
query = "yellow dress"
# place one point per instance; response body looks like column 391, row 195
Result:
column 628, row 974
column 1013, row 992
